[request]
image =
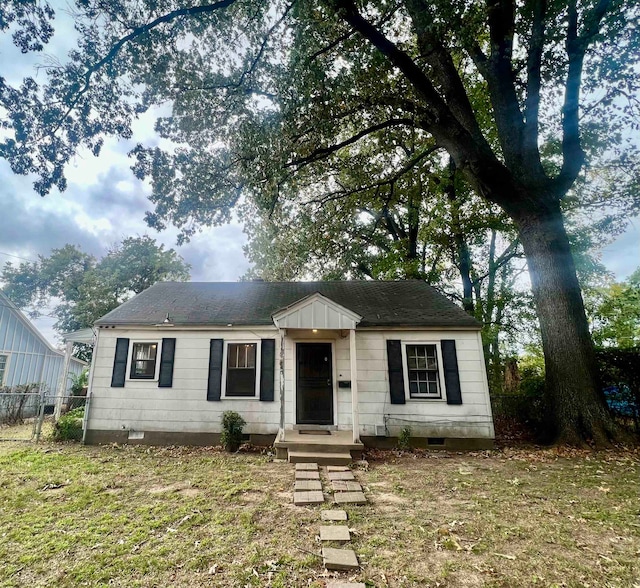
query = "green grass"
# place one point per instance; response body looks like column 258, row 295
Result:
column 137, row 516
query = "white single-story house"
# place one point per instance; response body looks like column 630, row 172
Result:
column 356, row 360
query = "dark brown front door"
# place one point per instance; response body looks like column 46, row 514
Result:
column 314, row 392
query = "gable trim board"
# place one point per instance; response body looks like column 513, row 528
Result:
column 191, row 409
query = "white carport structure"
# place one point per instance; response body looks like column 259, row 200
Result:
column 85, row 336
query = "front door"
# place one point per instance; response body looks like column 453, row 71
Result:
column 314, row 391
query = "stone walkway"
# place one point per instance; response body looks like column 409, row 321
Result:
column 346, row 490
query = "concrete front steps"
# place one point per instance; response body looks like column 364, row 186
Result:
column 330, row 448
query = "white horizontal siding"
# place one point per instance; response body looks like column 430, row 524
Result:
column 428, row 418
column 142, row 405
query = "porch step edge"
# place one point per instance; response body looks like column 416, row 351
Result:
column 318, row 447
column 321, row 458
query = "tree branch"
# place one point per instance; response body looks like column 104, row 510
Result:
column 134, row 34
column 501, row 82
column 534, row 82
column 442, row 67
column 390, row 181
column 576, row 45
column 323, row 152
column 475, row 159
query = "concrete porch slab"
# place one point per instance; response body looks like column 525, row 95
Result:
column 308, row 497
column 339, row 559
column 350, row 498
column 335, row 533
column 333, row 515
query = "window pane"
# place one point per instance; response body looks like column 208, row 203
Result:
column 250, row 354
column 144, row 350
column 422, row 366
column 143, row 364
column 145, row 368
column 241, row 382
column 241, row 369
column 241, row 355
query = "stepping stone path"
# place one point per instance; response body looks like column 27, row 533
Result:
column 344, row 476
column 346, row 490
column 339, row 559
column 304, row 475
column 308, row 485
column 338, row 533
column 333, row 515
column 342, row 486
column 308, row 489
column 350, row 498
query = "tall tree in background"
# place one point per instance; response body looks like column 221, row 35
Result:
column 267, row 94
column 81, row 289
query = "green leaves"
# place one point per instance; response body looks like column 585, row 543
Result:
column 84, row 289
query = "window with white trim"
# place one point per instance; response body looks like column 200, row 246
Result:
column 241, row 373
column 4, row 359
column 144, row 360
column 422, row 370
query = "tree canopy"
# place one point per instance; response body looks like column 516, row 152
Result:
column 276, row 103
column 81, row 288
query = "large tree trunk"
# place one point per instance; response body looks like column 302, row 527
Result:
column 577, row 410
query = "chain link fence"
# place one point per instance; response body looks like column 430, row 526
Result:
column 28, row 415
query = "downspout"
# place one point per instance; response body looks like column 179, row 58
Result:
column 354, row 386
column 281, row 332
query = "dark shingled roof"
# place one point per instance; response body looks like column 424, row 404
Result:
column 381, row 304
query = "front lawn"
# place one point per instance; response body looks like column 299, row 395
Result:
column 138, row 516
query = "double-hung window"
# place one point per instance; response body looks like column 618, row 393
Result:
column 241, row 370
column 3, row 367
column 422, row 371
column 143, row 361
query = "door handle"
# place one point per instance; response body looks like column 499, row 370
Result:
column 329, row 382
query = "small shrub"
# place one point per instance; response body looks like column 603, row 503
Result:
column 232, row 425
column 69, row 426
column 404, row 438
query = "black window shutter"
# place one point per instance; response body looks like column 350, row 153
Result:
column 267, row 369
column 396, row 377
column 451, row 374
column 215, row 370
column 120, row 363
column 165, row 380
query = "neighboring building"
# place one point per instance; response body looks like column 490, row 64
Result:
column 363, row 358
column 26, row 357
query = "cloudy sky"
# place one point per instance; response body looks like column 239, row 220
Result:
column 104, row 202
